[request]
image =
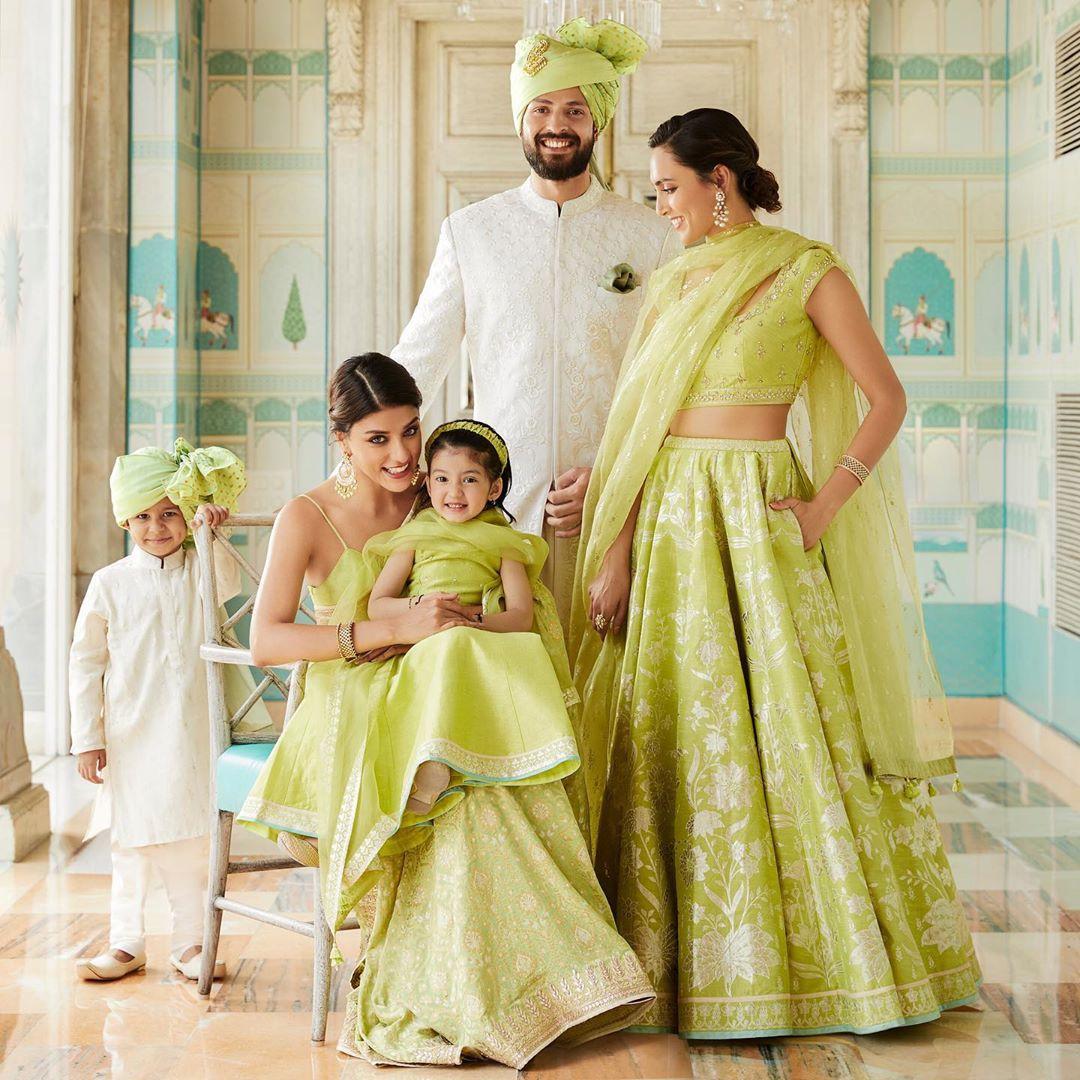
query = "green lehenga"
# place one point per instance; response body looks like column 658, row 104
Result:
column 769, row 720
column 491, row 934
column 767, row 884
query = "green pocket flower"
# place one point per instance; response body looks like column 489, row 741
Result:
column 621, row 279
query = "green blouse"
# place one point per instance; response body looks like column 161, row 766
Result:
column 764, row 355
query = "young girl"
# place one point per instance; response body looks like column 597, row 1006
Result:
column 460, row 544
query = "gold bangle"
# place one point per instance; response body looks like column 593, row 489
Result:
column 855, row 467
column 346, row 644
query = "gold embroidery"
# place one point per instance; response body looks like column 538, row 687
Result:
column 742, row 395
column 536, row 61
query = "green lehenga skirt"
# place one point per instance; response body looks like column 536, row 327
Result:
column 767, row 885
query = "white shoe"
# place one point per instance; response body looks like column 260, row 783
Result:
column 106, row 967
column 300, row 848
column 192, row 968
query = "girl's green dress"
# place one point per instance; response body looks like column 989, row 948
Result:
column 770, row 883
column 491, row 936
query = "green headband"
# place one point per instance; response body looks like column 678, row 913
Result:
column 489, row 435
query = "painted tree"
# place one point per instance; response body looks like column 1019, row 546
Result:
column 293, row 327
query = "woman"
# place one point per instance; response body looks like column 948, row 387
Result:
column 749, row 645
column 491, row 935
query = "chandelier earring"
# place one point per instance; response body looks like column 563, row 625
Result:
column 345, row 478
column 415, row 478
column 720, row 212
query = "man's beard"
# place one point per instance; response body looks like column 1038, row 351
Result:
column 565, row 168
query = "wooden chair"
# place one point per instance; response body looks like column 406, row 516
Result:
column 237, row 766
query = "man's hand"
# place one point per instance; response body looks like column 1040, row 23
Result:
column 566, row 501
column 90, row 763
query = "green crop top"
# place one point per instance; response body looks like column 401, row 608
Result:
column 764, row 355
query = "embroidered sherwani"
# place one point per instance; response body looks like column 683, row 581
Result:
column 522, row 285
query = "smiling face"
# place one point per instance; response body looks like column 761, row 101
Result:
column 385, row 447
column 459, row 486
column 683, row 197
column 557, row 135
column 160, row 529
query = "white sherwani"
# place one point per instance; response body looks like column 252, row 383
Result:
column 138, row 689
column 522, row 284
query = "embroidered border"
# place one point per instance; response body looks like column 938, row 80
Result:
column 279, row 816
column 745, row 395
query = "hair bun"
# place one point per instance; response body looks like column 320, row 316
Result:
column 760, row 188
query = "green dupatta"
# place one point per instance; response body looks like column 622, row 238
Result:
column 868, row 547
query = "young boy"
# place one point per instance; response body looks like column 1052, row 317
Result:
column 139, row 702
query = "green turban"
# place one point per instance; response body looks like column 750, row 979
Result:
column 187, row 476
column 590, row 57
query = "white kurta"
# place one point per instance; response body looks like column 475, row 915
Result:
column 522, row 285
column 138, row 689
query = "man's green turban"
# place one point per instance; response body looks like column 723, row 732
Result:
column 590, row 57
column 187, row 476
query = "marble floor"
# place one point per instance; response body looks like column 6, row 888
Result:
column 1013, row 836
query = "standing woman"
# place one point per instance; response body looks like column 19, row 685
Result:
column 748, row 639
column 491, row 936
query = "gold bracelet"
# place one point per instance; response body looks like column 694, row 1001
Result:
column 346, row 644
column 855, row 467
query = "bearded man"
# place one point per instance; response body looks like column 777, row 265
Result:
column 544, row 283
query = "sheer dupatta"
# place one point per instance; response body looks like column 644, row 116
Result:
column 868, row 547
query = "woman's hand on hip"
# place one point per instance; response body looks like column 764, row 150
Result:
column 432, row 613
column 813, row 519
column 609, row 595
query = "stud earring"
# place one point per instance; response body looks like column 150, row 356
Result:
column 345, row 478
column 720, row 210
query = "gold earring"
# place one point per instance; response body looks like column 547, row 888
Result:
column 720, row 211
column 345, row 478
column 415, row 477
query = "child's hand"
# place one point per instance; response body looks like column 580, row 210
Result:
column 210, row 514
column 90, row 763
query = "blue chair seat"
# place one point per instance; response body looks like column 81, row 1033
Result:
column 237, row 770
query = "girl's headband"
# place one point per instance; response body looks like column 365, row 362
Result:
column 489, row 435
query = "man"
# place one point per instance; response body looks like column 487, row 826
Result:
column 544, row 283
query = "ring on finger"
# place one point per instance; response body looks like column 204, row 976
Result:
column 600, row 621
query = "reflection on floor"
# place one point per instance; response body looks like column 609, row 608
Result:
column 1013, row 836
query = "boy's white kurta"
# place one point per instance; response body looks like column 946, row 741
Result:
column 523, row 285
column 138, row 690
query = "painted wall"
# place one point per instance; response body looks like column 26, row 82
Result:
column 229, row 229
column 1042, row 664
column 937, row 125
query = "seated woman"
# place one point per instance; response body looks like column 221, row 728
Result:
column 491, row 936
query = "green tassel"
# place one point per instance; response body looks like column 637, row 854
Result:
column 911, row 789
column 335, row 956
column 956, row 785
column 875, row 789
column 930, row 789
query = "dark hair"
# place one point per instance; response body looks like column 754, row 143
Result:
column 482, row 451
column 366, row 384
column 704, row 138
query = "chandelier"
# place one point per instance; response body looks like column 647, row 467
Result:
column 643, row 16
column 741, row 12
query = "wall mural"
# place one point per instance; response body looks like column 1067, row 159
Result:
column 152, row 283
column 921, row 304
column 218, row 293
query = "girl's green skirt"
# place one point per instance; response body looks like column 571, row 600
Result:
column 766, row 883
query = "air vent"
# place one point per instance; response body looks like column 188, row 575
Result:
column 1067, row 93
column 1067, row 513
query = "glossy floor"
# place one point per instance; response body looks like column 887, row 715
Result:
column 1014, row 840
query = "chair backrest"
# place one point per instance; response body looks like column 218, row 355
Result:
column 221, row 648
